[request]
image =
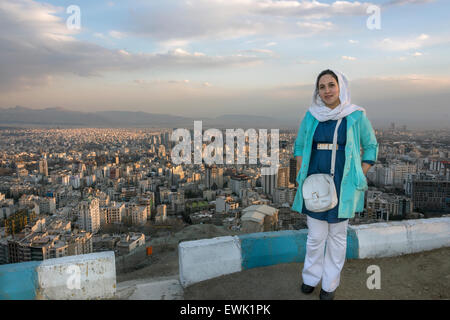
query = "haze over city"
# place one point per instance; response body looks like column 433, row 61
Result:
column 211, row 58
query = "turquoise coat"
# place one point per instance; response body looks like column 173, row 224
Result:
column 360, row 134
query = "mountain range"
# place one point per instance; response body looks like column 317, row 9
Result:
column 59, row 117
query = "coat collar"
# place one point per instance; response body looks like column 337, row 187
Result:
column 351, row 118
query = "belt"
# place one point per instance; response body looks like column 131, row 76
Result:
column 327, row 146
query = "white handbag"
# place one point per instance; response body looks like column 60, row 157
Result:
column 319, row 191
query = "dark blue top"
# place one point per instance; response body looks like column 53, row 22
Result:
column 320, row 162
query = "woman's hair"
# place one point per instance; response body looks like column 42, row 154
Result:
column 324, row 72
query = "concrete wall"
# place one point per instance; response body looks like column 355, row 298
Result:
column 205, row 259
column 208, row 258
column 81, row 277
column 269, row 248
column 93, row 276
column 402, row 237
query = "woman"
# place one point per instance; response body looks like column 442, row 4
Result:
column 312, row 149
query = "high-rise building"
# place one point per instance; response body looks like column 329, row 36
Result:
column 400, row 171
column 293, row 169
column 269, row 183
column 213, row 176
column 284, row 195
column 47, row 205
column 45, row 238
column 238, row 183
column 161, row 213
column 89, row 215
column 112, row 213
column 43, row 167
column 431, row 194
column 283, row 177
column 139, row 215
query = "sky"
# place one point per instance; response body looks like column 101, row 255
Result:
column 212, row 57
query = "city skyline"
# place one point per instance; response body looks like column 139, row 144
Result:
column 211, row 58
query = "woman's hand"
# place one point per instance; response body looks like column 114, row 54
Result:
column 365, row 167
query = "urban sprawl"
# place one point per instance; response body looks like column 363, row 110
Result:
column 75, row 191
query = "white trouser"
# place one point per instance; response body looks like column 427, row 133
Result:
column 326, row 266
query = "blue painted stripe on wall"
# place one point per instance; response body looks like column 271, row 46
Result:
column 19, row 281
column 352, row 245
column 269, row 248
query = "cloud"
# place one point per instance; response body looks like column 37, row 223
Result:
column 36, row 45
column 311, row 9
column 348, row 58
column 98, row 35
column 315, row 27
column 264, row 51
column 303, row 61
column 414, row 55
column 222, row 20
column 179, row 81
column 410, row 43
column 404, row 2
column 117, row 34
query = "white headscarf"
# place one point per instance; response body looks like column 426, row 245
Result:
column 322, row 113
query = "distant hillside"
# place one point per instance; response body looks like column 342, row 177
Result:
column 51, row 117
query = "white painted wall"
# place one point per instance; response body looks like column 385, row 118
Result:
column 208, row 258
column 402, row 237
column 80, row 277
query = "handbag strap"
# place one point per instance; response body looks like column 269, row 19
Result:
column 333, row 153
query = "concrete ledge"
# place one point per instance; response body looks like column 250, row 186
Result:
column 18, row 281
column 381, row 239
column 205, row 259
column 269, row 248
column 402, row 237
column 208, row 258
column 89, row 276
column 428, row 234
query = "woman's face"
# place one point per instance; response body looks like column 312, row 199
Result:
column 329, row 91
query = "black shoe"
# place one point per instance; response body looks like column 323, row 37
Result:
column 324, row 295
column 307, row 289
